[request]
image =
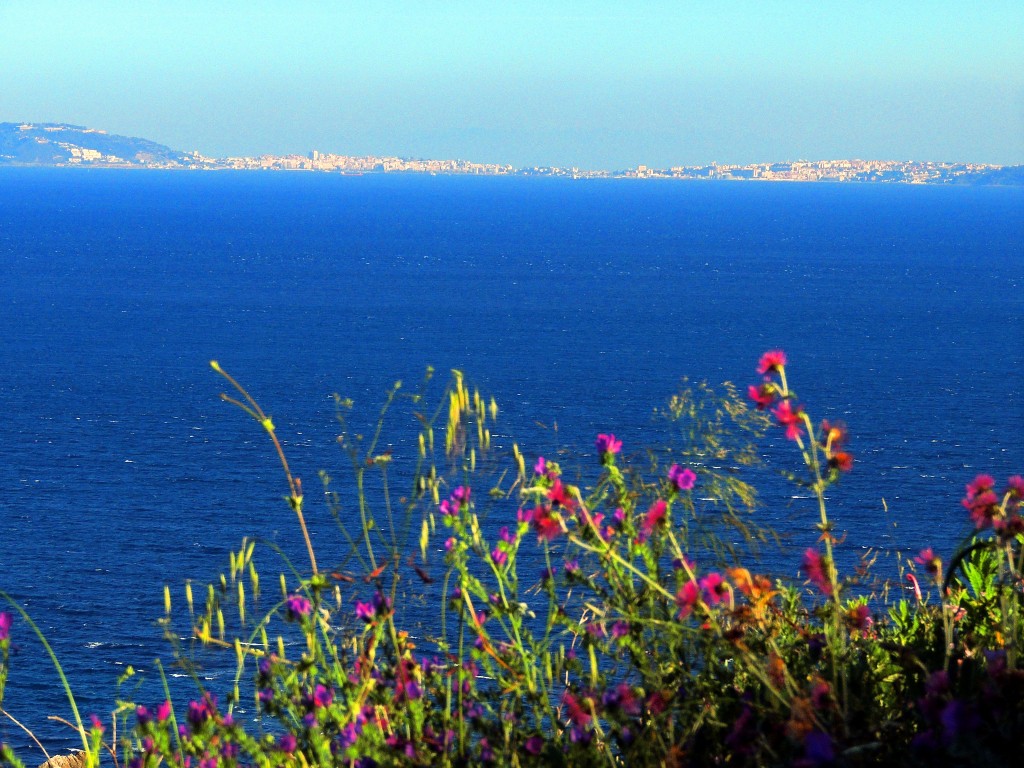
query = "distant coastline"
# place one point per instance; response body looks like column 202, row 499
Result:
column 64, row 145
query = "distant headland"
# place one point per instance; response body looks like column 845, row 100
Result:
column 63, row 145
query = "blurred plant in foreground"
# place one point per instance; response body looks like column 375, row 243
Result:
column 599, row 616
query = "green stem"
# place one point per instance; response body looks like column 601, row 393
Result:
column 56, row 664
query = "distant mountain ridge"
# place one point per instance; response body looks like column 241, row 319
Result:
column 64, row 144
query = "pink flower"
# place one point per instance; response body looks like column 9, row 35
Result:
column 5, row 625
column 608, row 444
column 979, row 485
column 789, row 418
column 577, row 714
column 296, row 606
column 814, row 567
column 1015, row 485
column 163, row 711
column 546, row 523
column 687, row 598
column 557, row 494
column 772, row 360
column 499, row 557
column 684, row 479
column 932, row 563
column 541, row 466
column 714, row 588
column 655, row 515
column 981, row 501
column 763, row 396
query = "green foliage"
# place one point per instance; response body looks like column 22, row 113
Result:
column 603, row 620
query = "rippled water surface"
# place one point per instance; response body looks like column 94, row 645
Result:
column 579, row 304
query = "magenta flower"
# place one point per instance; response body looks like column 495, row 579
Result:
column 296, row 607
column 763, row 396
column 771, row 361
column 287, row 743
column 789, row 418
column 814, row 567
column 559, row 495
column 5, row 625
column 534, row 745
column 714, row 588
column 365, row 611
column 575, row 710
column 655, row 515
column 932, row 563
column 1015, row 485
column 981, row 501
column 546, row 523
column 687, row 598
column 608, row 444
column 163, row 712
column 683, row 478
column 541, row 466
column 461, row 494
column 499, row 557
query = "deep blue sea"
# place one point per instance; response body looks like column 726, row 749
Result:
column 574, row 303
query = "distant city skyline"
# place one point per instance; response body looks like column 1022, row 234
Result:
column 590, row 85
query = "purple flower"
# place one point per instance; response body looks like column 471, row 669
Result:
column 296, row 606
column 382, row 604
column 143, row 715
column 499, row 557
column 683, row 478
column 534, row 745
column 200, row 711
column 5, row 625
column 365, row 612
column 461, row 494
column 620, row 629
column 349, row 735
column 505, row 535
column 607, row 444
column 541, row 466
column 322, row 696
column 286, row 743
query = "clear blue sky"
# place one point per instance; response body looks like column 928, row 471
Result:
column 591, row 84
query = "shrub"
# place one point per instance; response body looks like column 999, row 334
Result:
column 604, row 619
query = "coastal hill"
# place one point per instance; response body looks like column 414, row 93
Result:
column 60, row 144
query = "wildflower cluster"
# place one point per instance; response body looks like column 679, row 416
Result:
column 599, row 616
